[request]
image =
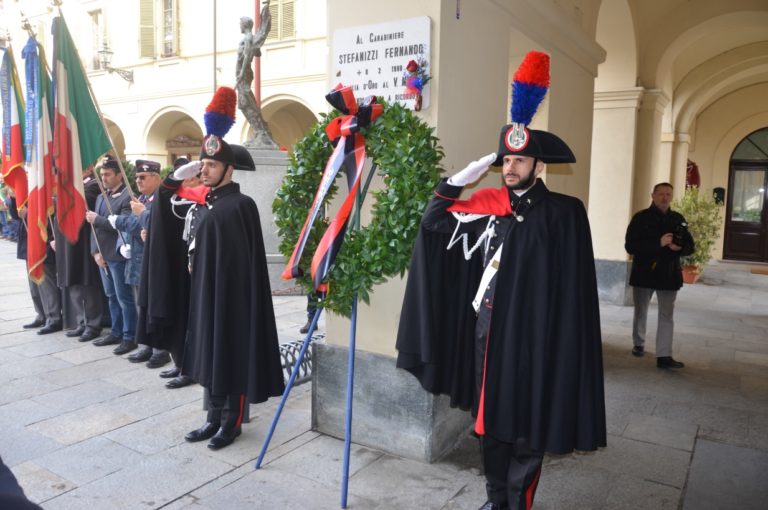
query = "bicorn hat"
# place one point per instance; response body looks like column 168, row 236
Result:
column 219, row 117
column 530, row 85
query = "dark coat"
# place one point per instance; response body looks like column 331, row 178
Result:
column 163, row 312
column 106, row 239
column 74, row 262
column 232, row 345
column 654, row 267
column 543, row 362
column 23, row 237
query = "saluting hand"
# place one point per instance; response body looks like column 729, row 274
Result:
column 473, row 171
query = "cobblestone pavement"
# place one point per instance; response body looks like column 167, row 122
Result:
column 84, row 429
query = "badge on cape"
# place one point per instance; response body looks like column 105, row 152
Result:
column 517, row 137
column 212, row 145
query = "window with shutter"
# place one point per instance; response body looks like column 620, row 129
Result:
column 170, row 32
column 283, row 20
column 147, row 28
column 97, row 36
column 287, row 21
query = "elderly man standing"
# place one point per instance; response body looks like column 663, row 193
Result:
column 132, row 225
column 106, row 250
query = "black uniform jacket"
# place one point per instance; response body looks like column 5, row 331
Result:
column 74, row 263
column 654, row 267
column 232, row 346
column 163, row 299
column 543, row 376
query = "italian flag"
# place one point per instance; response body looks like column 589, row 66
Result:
column 39, row 162
column 13, row 129
column 79, row 137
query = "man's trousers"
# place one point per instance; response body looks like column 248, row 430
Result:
column 666, row 327
column 512, row 472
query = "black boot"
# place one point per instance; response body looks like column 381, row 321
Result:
column 52, row 327
column 224, row 437
column 305, row 328
column 207, row 431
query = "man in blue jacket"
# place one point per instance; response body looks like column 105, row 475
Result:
column 656, row 238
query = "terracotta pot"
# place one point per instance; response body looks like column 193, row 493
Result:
column 690, row 274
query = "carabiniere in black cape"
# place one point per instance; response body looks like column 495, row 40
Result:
column 544, row 374
column 232, row 346
column 162, row 320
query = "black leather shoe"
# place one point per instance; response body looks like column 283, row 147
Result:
column 141, row 356
column 223, row 438
column 179, row 382
column 491, row 506
column 124, row 347
column 170, row 373
column 158, row 360
column 50, row 328
column 107, row 340
column 75, row 332
column 34, row 324
column 638, row 351
column 89, row 335
column 305, row 328
column 668, row 362
column 207, row 431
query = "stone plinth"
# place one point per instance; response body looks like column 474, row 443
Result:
column 261, row 185
column 391, row 412
column 613, row 281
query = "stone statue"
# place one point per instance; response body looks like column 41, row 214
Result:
column 247, row 50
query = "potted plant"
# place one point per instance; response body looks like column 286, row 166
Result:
column 702, row 212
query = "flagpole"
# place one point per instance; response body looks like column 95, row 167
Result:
column 57, row 4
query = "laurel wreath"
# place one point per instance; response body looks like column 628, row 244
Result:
column 407, row 155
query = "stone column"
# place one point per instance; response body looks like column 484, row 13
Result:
column 610, row 187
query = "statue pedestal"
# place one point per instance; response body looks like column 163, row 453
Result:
column 261, row 185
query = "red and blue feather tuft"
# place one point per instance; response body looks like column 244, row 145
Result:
column 220, row 113
column 529, row 86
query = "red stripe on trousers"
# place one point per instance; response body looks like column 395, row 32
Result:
column 240, row 413
column 532, row 490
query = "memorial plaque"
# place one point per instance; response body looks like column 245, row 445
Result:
column 372, row 59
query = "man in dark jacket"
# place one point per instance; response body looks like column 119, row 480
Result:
column 656, row 238
column 46, row 296
column 107, row 248
column 163, row 312
column 78, row 272
column 232, row 346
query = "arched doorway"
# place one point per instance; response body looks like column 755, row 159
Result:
column 288, row 120
column 117, row 138
column 172, row 134
column 746, row 222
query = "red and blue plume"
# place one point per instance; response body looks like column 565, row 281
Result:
column 220, row 114
column 530, row 85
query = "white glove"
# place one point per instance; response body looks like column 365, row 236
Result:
column 125, row 251
column 113, row 220
column 473, row 172
column 191, row 169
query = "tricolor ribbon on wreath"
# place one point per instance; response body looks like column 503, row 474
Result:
column 349, row 152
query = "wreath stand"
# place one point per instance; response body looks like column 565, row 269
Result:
column 407, row 154
column 350, row 367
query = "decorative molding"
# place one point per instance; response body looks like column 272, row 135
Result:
column 182, row 141
column 614, row 99
column 550, row 26
column 654, row 99
column 675, row 137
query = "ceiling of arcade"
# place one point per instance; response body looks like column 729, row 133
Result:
column 694, row 51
